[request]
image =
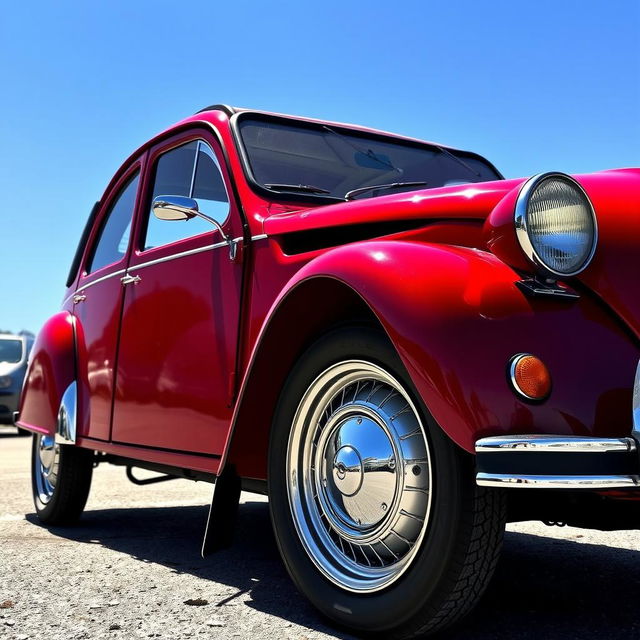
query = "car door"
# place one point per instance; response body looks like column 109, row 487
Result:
column 179, row 333
column 98, row 305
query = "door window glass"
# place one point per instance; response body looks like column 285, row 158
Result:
column 190, row 170
column 113, row 238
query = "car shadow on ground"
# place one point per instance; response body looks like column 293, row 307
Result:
column 543, row 588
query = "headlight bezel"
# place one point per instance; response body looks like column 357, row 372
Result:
column 521, row 223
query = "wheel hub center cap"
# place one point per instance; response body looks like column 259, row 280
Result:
column 347, row 471
column 360, row 475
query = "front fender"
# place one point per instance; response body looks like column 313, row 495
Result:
column 456, row 318
column 50, row 373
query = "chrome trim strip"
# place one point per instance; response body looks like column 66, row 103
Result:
column 119, row 272
column 83, row 288
column 636, row 406
column 67, row 416
column 261, row 236
column 520, row 221
column 182, row 254
column 173, row 256
column 554, row 444
column 509, row 481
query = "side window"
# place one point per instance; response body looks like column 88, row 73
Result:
column 190, row 170
column 113, row 238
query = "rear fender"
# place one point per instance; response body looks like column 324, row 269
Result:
column 456, row 318
column 49, row 386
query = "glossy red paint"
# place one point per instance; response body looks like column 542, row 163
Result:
column 174, row 367
column 179, row 336
column 98, row 313
column 463, row 202
column 613, row 274
column 51, row 371
column 614, row 195
column 442, row 286
column 456, row 318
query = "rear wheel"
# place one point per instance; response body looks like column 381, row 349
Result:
column 376, row 512
column 60, row 479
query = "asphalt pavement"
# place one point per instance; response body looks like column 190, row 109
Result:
column 132, row 569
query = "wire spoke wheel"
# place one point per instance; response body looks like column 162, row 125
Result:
column 359, row 476
column 60, row 479
column 374, row 508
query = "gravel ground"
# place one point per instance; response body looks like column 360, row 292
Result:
column 130, row 567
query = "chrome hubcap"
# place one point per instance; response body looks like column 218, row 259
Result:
column 359, row 476
column 46, row 466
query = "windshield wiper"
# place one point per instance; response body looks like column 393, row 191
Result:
column 393, row 185
column 304, row 188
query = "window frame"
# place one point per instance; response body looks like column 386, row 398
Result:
column 146, row 193
column 101, row 219
column 235, row 123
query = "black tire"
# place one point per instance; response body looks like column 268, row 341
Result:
column 64, row 502
column 456, row 557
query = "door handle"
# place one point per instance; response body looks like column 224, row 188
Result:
column 129, row 279
column 78, row 298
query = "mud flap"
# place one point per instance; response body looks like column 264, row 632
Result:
column 223, row 512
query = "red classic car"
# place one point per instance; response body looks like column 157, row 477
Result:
column 401, row 348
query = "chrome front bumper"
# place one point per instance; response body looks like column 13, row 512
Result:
column 558, row 462
column 562, row 462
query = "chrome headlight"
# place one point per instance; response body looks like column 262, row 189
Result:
column 556, row 224
column 5, row 382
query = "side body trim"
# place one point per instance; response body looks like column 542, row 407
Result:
column 182, row 254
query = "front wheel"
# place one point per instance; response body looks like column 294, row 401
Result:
column 376, row 512
column 60, row 480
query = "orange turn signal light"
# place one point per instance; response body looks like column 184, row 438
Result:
column 530, row 376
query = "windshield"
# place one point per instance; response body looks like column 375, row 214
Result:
column 10, row 350
column 321, row 161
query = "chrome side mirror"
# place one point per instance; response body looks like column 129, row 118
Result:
column 183, row 208
column 174, row 208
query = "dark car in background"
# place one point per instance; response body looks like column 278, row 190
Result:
column 14, row 353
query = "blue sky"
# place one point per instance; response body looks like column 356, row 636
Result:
column 533, row 86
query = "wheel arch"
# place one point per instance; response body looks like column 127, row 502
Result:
column 50, row 379
column 455, row 317
column 415, row 292
column 294, row 324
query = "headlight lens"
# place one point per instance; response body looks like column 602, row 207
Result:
column 555, row 224
column 5, row 382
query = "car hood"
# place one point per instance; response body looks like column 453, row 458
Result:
column 615, row 195
column 468, row 201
